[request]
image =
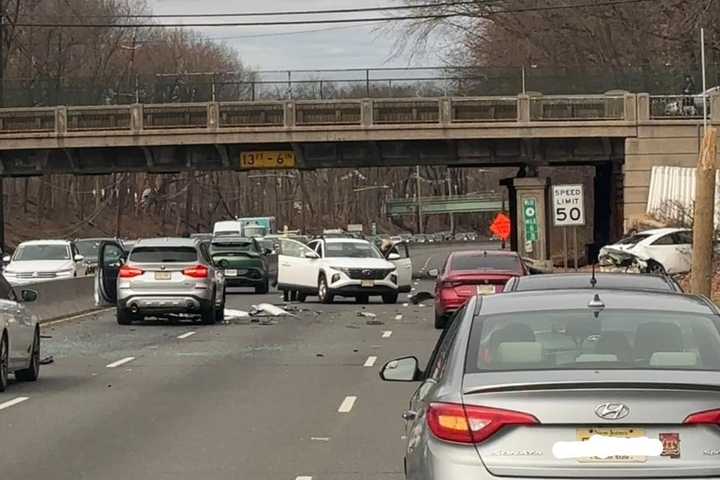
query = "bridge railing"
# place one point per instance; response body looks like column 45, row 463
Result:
column 446, row 111
column 680, row 107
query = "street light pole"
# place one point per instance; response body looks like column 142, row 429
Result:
column 418, row 200
column 2, row 104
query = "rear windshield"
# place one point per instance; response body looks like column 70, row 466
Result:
column 575, row 339
column 42, row 252
column 634, row 239
column 623, row 282
column 480, row 261
column 164, row 255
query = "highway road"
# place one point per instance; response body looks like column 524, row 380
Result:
column 428, row 256
column 288, row 398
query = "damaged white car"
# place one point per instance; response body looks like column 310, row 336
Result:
column 659, row 251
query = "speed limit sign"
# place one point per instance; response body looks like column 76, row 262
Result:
column 568, row 206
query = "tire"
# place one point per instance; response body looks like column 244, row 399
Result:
column 390, row 298
column 123, row 316
column 324, row 294
column 301, row 297
column 294, row 295
column 440, row 321
column 31, row 373
column 220, row 314
column 207, row 317
column 263, row 289
column 655, row 268
column 362, row 299
column 4, row 362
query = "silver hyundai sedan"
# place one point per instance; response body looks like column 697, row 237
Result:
column 578, row 384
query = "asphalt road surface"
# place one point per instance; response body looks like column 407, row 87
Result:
column 288, row 398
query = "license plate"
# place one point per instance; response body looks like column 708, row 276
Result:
column 584, row 434
column 231, row 273
column 163, row 275
column 485, row 289
column 367, row 283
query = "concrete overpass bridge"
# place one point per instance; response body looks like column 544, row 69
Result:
column 623, row 135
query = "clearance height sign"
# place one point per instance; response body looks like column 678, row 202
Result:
column 568, row 206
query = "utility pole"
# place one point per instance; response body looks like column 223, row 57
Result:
column 450, row 194
column 2, row 104
column 704, row 215
column 418, row 200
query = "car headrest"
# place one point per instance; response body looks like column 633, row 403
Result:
column 596, row 357
column 674, row 359
column 654, row 337
column 520, row 352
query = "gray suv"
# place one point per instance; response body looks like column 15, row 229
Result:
column 158, row 277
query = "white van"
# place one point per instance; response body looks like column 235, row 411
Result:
column 228, row 227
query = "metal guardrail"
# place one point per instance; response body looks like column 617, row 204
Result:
column 681, row 107
column 363, row 112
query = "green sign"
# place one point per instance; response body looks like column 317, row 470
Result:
column 530, row 220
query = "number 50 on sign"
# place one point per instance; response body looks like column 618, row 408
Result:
column 568, row 206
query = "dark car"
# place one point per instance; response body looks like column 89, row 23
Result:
column 469, row 273
column 612, row 281
column 89, row 248
column 243, row 261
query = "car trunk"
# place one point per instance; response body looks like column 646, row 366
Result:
column 163, row 277
column 566, row 408
column 485, row 283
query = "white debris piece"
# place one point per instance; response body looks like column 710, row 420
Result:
column 366, row 314
column 268, row 310
column 230, row 313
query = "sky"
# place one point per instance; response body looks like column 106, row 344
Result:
column 278, row 48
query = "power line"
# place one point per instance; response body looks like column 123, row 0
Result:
column 442, row 16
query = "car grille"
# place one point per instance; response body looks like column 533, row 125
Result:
column 30, row 275
column 368, row 273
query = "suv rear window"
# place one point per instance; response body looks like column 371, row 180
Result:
column 164, row 255
column 507, row 263
column 575, row 339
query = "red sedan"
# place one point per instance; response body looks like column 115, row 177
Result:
column 466, row 274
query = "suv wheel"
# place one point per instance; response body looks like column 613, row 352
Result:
column 439, row 321
column 264, row 288
column 324, row 294
column 31, row 373
column 4, row 362
column 301, row 297
column 123, row 316
column 207, row 316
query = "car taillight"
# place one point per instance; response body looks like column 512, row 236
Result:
column 198, row 271
column 129, row 272
column 469, row 424
column 711, row 417
column 447, row 284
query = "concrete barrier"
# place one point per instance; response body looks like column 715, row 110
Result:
column 62, row 298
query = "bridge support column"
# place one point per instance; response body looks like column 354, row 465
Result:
column 529, row 200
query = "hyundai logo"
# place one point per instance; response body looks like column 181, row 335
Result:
column 367, row 273
column 612, row 411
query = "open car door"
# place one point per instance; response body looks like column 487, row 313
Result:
column 400, row 254
column 294, row 266
column 111, row 256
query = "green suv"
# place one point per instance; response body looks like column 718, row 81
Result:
column 243, row 261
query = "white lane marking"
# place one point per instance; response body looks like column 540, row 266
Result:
column 120, row 362
column 387, row 334
column 370, row 361
column 347, row 404
column 13, row 402
column 303, row 477
column 398, row 317
column 186, row 335
column 320, row 439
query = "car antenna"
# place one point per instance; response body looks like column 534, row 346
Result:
column 593, row 278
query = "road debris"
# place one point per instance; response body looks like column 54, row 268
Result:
column 420, row 297
column 366, row 314
column 230, row 313
column 268, row 310
column 47, row 360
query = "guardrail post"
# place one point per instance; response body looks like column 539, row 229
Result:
column 714, row 102
column 213, row 115
column 366, row 113
column 137, row 117
column 445, row 111
column 61, row 120
column 523, row 108
column 289, row 114
column 630, row 108
column 643, row 107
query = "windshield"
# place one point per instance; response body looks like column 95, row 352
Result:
column 225, row 233
column 351, row 250
column 482, row 261
column 164, row 255
column 42, row 252
column 634, row 239
column 88, row 248
column 255, row 231
column 575, row 339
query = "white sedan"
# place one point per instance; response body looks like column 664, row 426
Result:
column 19, row 335
column 331, row 267
column 664, row 250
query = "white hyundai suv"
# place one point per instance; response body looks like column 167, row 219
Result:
column 330, row 267
column 40, row 260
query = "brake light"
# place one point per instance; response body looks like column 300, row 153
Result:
column 198, row 271
column 129, row 272
column 450, row 284
column 469, row 424
column 710, row 417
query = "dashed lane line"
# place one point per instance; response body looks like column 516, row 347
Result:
column 347, row 405
column 370, row 361
column 303, row 477
column 387, row 334
column 13, row 402
column 120, row 362
column 186, row 335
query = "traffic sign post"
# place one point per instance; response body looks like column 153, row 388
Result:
column 569, row 211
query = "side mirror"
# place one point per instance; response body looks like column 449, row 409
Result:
column 6, row 259
column 28, row 296
column 403, row 369
column 434, row 273
column 79, row 258
column 312, row 255
column 394, row 256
